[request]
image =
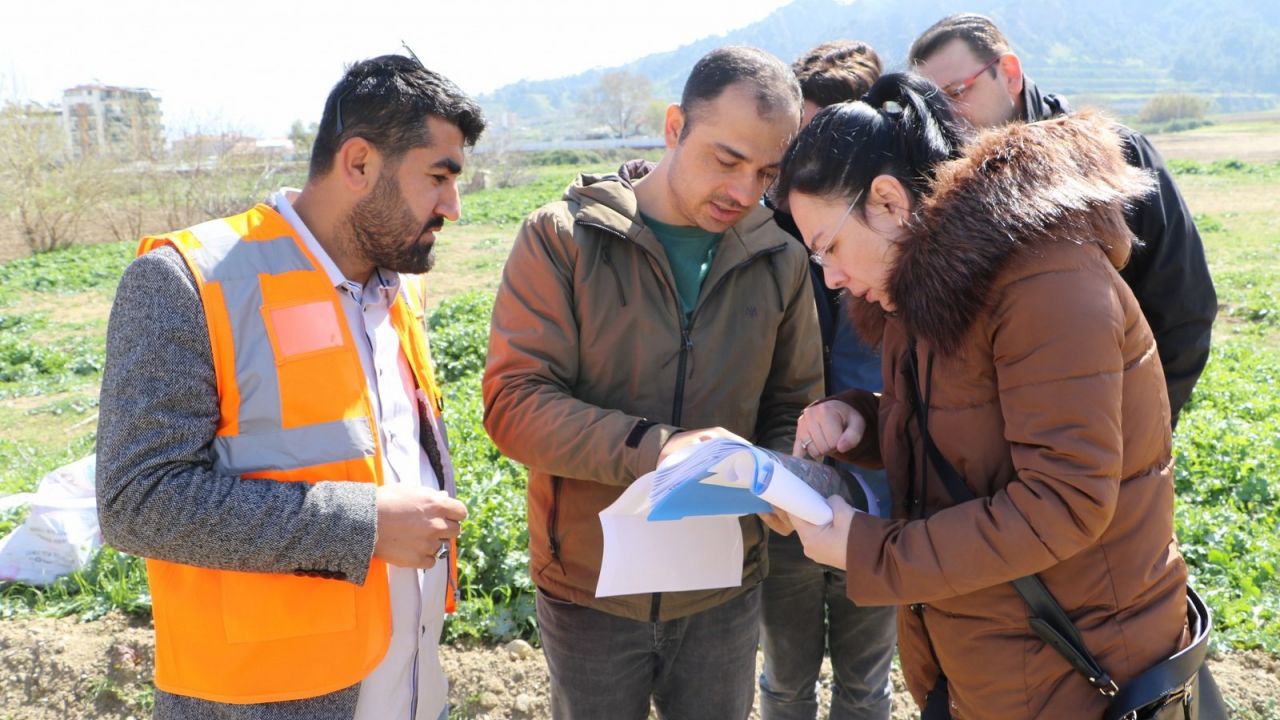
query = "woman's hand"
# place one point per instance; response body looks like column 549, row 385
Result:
column 828, row 427
column 827, row 544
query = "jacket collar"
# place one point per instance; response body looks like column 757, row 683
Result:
column 1037, row 106
column 609, row 202
column 1017, row 186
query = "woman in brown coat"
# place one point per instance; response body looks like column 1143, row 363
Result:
column 995, row 262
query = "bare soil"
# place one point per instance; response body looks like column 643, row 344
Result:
column 1209, row 145
column 1249, row 137
column 64, row 669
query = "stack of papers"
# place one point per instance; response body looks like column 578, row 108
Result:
column 677, row 527
column 729, row 477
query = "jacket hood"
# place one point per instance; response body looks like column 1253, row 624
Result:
column 1016, row 187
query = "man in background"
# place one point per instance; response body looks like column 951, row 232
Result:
column 805, row 609
column 636, row 316
column 971, row 60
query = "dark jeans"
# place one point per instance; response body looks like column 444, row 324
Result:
column 605, row 667
column 805, row 611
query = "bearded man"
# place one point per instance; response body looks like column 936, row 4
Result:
column 270, row 435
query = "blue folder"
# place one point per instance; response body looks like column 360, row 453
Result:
column 691, row 496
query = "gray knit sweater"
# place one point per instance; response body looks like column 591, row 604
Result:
column 158, row 495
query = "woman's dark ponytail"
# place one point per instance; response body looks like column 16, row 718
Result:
column 904, row 127
column 929, row 131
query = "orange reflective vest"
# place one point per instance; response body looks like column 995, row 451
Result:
column 294, row 407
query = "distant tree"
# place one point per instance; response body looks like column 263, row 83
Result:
column 1173, row 106
column 655, row 116
column 303, row 137
column 49, row 195
column 620, row 100
column 495, row 162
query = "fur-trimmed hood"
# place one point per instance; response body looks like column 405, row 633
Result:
column 1016, row 187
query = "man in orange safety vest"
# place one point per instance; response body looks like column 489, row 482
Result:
column 270, row 435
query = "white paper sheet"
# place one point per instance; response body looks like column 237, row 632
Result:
column 785, row 490
column 694, row 553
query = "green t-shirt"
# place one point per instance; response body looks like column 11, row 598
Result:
column 690, row 251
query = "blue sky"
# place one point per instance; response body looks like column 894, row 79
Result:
column 257, row 66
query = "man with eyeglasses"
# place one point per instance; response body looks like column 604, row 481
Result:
column 972, row 61
column 271, row 436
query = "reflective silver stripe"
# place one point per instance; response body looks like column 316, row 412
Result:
column 262, row 442
column 216, row 238
column 296, row 447
column 224, row 258
column 236, row 265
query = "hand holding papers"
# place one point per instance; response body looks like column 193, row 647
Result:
column 827, row 544
column 677, row 528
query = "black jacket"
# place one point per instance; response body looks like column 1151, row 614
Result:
column 1167, row 273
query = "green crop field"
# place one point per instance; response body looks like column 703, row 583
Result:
column 54, row 309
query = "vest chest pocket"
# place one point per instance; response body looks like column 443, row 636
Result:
column 301, row 330
column 312, row 370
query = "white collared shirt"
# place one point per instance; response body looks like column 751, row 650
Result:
column 409, row 683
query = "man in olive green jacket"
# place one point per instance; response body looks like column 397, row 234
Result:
column 630, row 310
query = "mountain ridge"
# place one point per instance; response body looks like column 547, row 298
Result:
column 1113, row 54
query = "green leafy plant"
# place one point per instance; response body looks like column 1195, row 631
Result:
column 1228, row 441
column 1228, row 491
column 1226, row 167
column 112, row 580
column 493, row 567
column 460, row 335
column 76, row 269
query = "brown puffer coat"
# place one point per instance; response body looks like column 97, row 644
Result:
column 1046, row 395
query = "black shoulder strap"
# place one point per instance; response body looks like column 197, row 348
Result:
column 427, row 439
column 1048, row 620
column 956, row 486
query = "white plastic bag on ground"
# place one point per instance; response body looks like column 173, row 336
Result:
column 61, row 533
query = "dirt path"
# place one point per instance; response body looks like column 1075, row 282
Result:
column 62, row 669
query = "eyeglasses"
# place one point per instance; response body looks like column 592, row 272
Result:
column 956, row 89
column 337, row 106
column 819, row 257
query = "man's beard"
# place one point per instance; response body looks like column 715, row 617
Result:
column 386, row 233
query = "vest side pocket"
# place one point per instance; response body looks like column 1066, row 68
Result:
column 257, row 607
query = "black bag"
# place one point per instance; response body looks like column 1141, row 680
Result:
column 1179, row 688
